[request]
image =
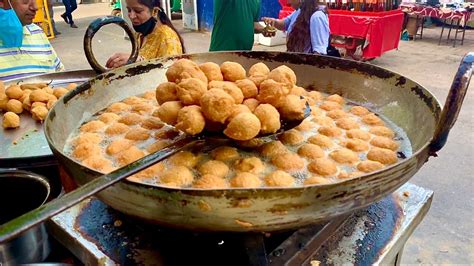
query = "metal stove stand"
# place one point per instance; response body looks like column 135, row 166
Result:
column 99, row 235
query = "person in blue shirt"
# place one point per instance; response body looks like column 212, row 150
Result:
column 307, row 27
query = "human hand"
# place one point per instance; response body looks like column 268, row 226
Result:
column 269, row 21
column 117, row 60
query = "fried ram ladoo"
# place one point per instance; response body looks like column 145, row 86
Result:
column 10, row 120
column 232, row 71
column 269, row 118
column 259, row 69
column 191, row 90
column 166, row 92
column 244, row 126
column 230, row 88
column 212, row 71
column 272, row 92
column 191, row 120
column 283, row 74
column 216, row 105
column 183, row 69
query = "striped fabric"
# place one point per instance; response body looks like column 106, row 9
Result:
column 36, row 56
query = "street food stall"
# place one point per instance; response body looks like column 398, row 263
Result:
column 321, row 206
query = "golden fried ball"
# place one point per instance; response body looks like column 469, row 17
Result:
column 259, row 69
column 347, row 123
column 324, row 121
column 212, row 71
column 10, row 120
column 372, row 120
column 191, row 90
column 133, row 100
column 225, row 153
column 236, row 110
column 48, row 89
column 357, row 145
column 244, row 126
column 251, row 144
column 251, row 103
column 283, row 74
column 60, row 92
column 157, row 145
column 92, row 126
column 336, row 98
column 117, row 129
column 299, row 91
column 292, row 107
column 336, row 114
column 14, row 92
column 273, row 148
column 168, row 112
column 384, row 142
column 3, row 101
column 131, row 119
column 316, row 180
column 39, row 113
column 138, row 134
column 184, row 158
column 210, row 181
column 109, row 117
column 142, row 108
column 230, row 88
column 358, row 134
column 258, row 79
column 382, row 131
column 323, row 166
column 215, row 168
column 150, row 95
column 87, row 137
column 85, row 150
column 315, row 95
column 321, row 141
column 118, row 107
column 359, row 110
column 288, row 161
column 183, row 69
column 166, row 92
column 248, row 88
column 269, row 118
column 245, row 180
column 39, row 96
column 279, row 178
column 26, row 95
column 291, row 137
column 14, row 106
column 311, row 151
column 316, row 111
column 329, row 106
column 99, row 163
column 251, row 165
column 344, row 156
column 330, row 131
column 272, row 92
column 152, row 123
column 217, row 105
column 381, row 155
column 177, row 177
column 26, row 103
column 129, row 155
column 232, row 71
column 306, row 125
column 191, row 120
column 152, row 171
column 369, row 166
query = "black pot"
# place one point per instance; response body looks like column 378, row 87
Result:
column 20, row 192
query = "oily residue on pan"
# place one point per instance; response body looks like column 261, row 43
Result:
column 401, row 81
column 428, row 100
column 321, row 62
column 140, row 69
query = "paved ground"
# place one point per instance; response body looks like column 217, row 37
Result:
column 446, row 236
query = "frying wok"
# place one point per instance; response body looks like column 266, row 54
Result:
column 403, row 101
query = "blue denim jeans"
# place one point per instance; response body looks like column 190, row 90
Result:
column 70, row 5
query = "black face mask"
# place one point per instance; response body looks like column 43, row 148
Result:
column 147, row 27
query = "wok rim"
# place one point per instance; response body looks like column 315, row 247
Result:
column 204, row 192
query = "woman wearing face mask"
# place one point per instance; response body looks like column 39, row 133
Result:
column 159, row 37
column 307, row 28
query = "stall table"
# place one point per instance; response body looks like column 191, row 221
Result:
column 374, row 32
